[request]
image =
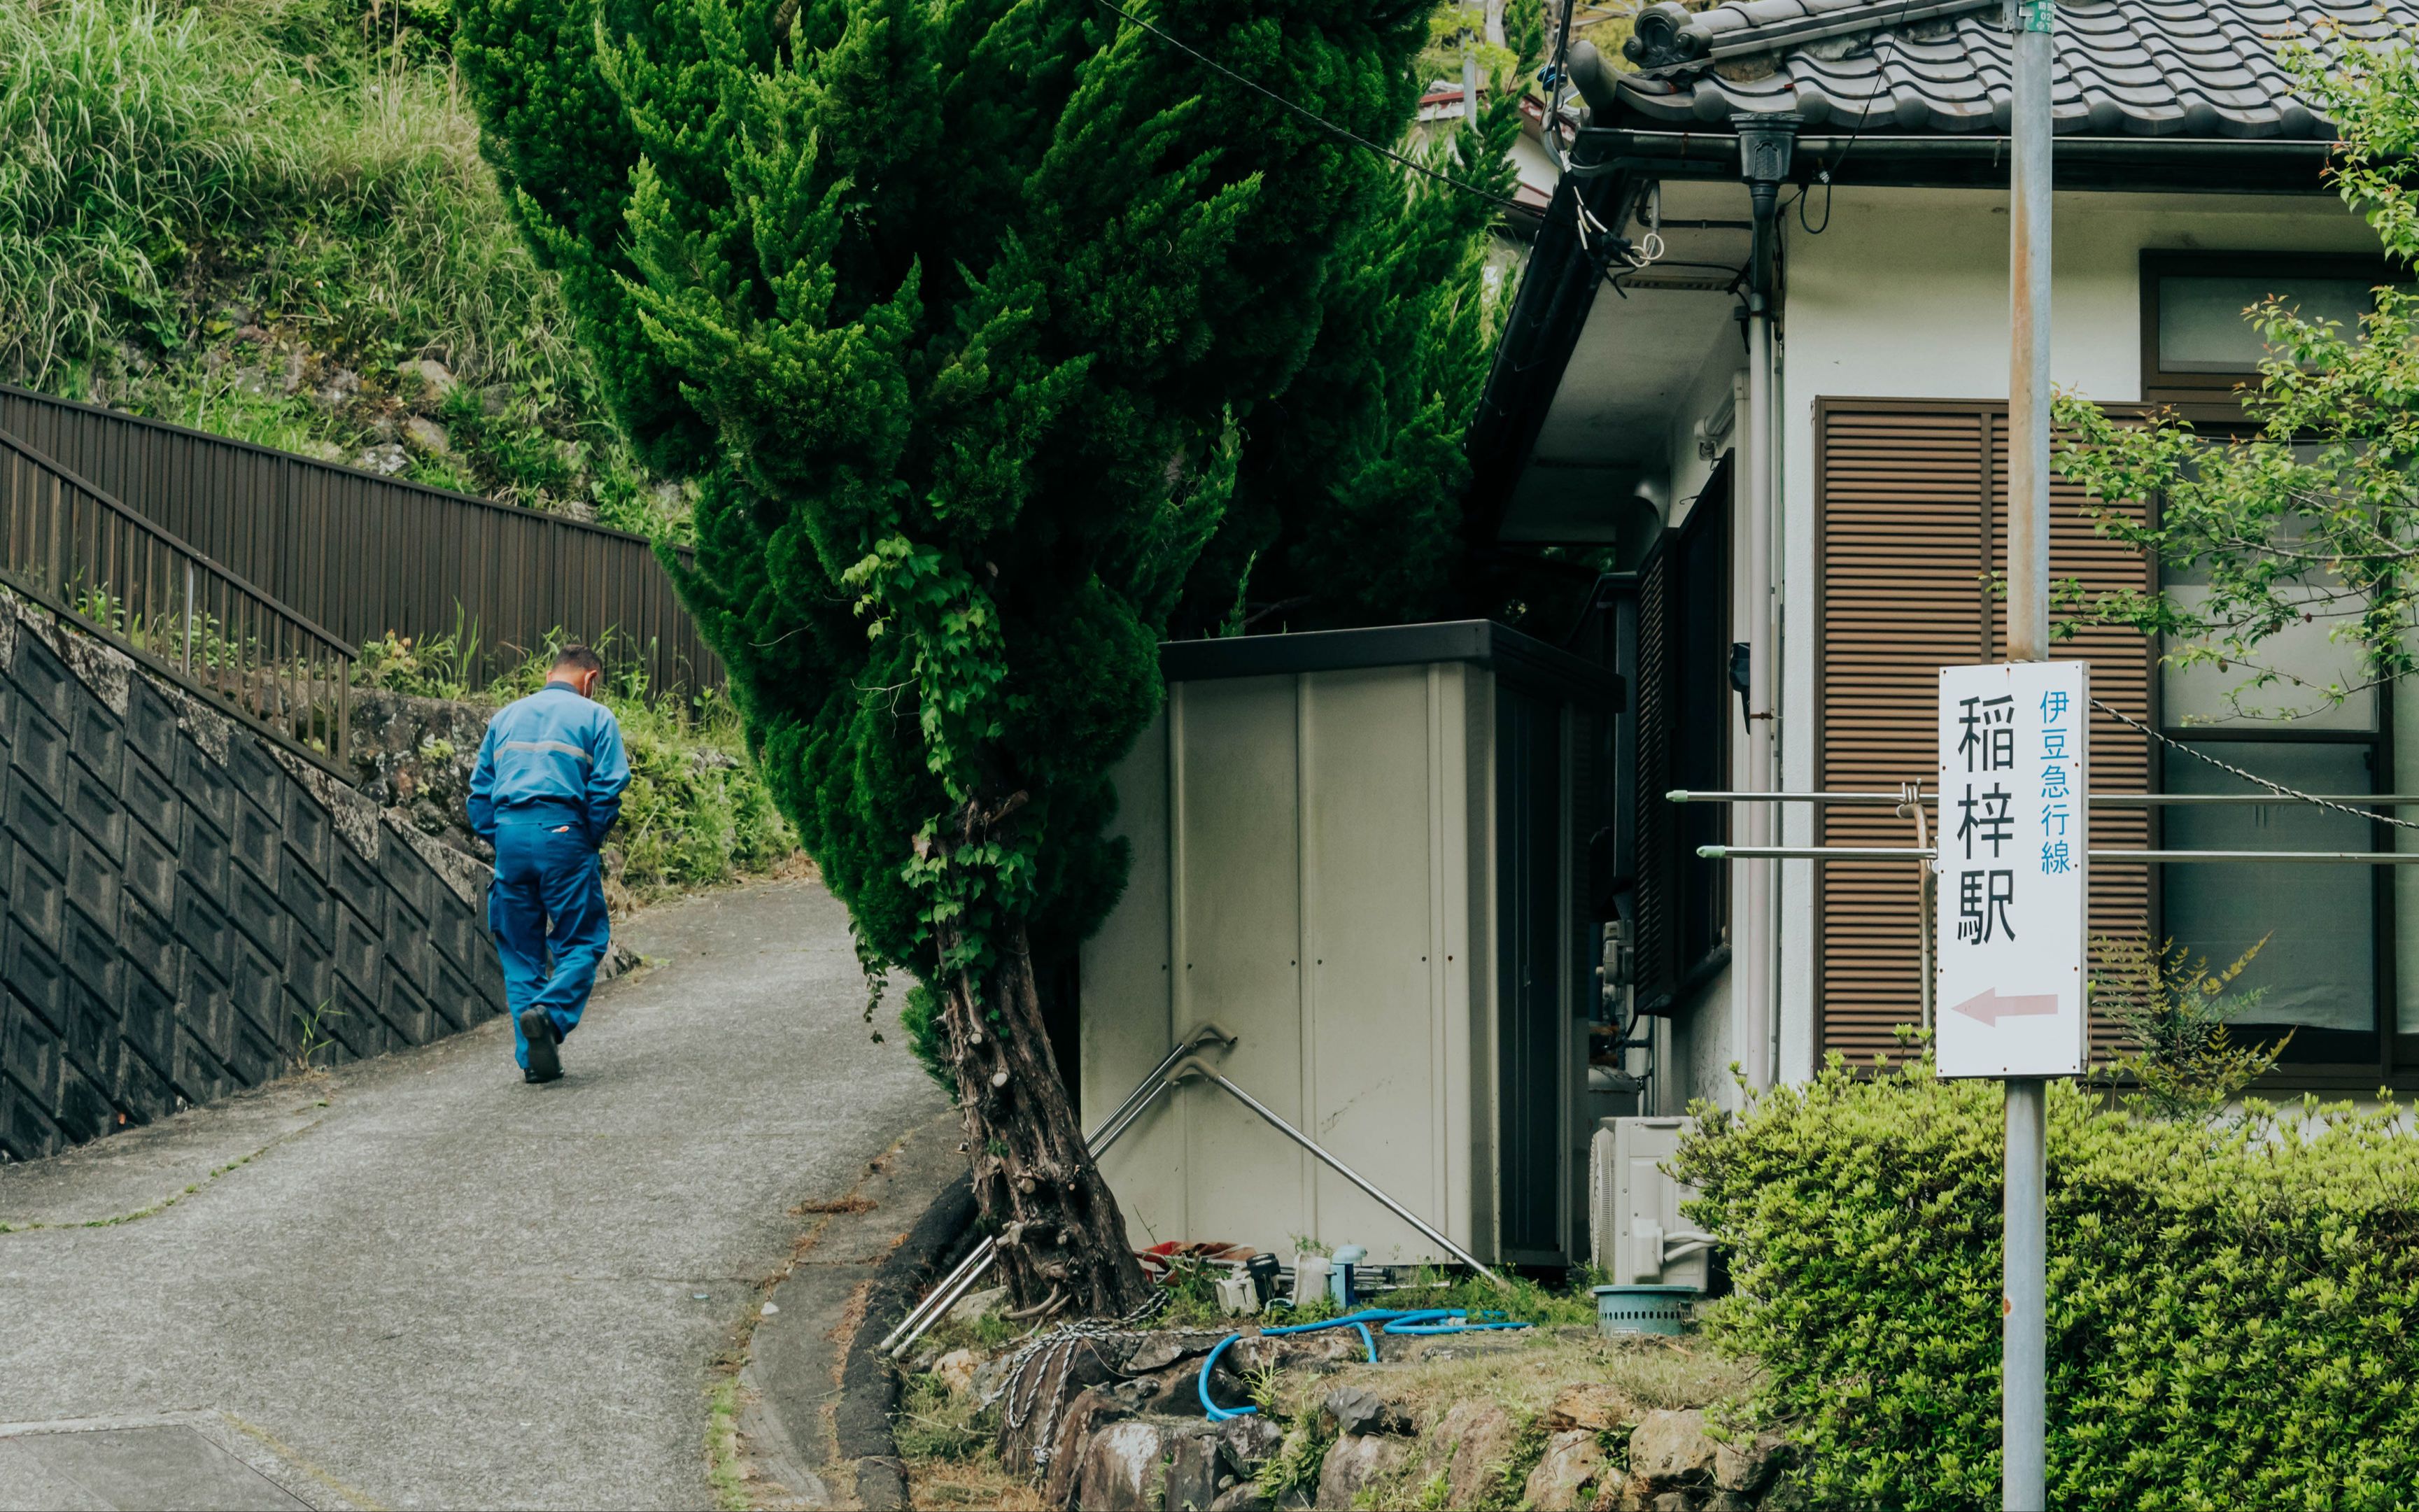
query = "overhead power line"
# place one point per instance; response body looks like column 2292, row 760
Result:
column 1342, row 134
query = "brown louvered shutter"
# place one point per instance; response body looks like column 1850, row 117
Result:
column 1684, row 703
column 2122, row 671
column 1654, row 965
column 1908, row 521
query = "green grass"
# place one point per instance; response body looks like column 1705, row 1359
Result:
column 1193, row 1304
column 164, row 1203
column 254, row 216
column 933, row 1423
column 722, row 1445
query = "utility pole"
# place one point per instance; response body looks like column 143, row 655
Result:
column 2023, row 1381
column 1470, row 74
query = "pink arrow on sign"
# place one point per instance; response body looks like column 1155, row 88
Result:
column 1990, row 1008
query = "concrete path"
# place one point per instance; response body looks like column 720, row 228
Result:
column 427, row 1285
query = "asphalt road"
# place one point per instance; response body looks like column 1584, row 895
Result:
column 445, row 1289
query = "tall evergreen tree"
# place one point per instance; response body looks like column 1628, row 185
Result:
column 954, row 307
column 1348, row 508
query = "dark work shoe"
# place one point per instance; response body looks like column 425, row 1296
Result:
column 538, row 1029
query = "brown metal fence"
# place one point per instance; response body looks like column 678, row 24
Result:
column 72, row 547
column 363, row 555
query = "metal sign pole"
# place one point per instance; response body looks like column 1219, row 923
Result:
column 2023, row 1383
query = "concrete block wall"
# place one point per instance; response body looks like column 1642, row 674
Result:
column 184, row 905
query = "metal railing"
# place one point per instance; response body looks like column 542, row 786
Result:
column 364, row 556
column 84, row 555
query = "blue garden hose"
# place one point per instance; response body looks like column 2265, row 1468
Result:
column 1394, row 1321
column 1426, row 1322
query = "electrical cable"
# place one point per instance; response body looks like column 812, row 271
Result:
column 1883, row 37
column 1342, row 134
column 1580, row 221
column 1550, row 128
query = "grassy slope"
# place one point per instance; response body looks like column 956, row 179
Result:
column 269, row 219
column 696, row 813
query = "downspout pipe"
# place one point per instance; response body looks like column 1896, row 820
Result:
column 1766, row 142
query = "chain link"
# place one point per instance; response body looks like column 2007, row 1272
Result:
column 1054, row 1354
column 2277, row 788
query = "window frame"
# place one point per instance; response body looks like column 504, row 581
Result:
column 1692, row 942
column 2317, row 1070
column 2397, row 1060
column 2217, row 395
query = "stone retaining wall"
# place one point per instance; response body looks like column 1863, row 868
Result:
column 1118, row 1426
column 186, row 908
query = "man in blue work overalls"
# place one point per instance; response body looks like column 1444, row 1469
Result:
column 548, row 786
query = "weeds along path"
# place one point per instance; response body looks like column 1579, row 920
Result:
column 447, row 1288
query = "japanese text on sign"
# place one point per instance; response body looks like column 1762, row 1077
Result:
column 2011, row 868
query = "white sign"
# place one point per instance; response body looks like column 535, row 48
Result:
column 2013, row 848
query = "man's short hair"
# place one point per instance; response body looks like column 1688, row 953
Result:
column 578, row 657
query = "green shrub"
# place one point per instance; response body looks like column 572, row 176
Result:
column 2231, row 1304
column 2175, row 1012
column 696, row 810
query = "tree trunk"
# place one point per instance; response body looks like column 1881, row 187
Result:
column 1062, row 1241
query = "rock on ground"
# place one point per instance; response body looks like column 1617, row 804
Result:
column 1469, row 1444
column 1213, row 1464
column 1670, row 1450
column 957, row 1371
column 976, row 1306
column 1088, row 1413
column 427, row 436
column 1566, row 1478
column 1355, row 1462
column 1597, row 1406
column 1121, row 1469
column 1357, row 1411
column 1748, row 1466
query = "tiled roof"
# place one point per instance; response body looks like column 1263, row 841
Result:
column 2125, row 67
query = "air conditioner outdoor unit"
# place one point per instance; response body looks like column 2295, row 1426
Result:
column 1636, row 1233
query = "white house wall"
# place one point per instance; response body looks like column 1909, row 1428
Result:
column 1709, row 392
column 1906, row 297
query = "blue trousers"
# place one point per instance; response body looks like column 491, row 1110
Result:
column 547, row 911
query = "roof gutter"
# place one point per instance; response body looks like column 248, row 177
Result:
column 1549, row 309
column 1939, row 160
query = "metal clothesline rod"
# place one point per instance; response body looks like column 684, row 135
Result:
column 2098, row 800
column 1910, row 853
column 1192, row 1068
column 979, row 1259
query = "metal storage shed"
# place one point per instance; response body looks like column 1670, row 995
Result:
column 1358, row 852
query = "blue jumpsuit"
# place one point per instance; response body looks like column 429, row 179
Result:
column 548, row 786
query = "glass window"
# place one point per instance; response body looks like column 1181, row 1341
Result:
column 2202, row 327
column 2319, row 969
column 2308, row 655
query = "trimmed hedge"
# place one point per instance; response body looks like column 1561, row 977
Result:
column 2230, row 1303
